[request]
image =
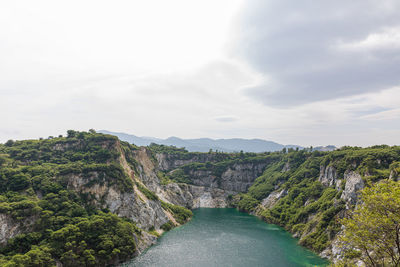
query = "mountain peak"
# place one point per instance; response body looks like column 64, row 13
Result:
column 205, row 144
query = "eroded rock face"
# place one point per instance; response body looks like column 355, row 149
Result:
column 147, row 169
column 273, row 198
column 237, row 178
column 334, row 252
column 240, row 177
column 8, row 228
column 286, row 167
column 328, row 176
column 193, row 196
column 145, row 241
column 354, row 183
column 146, row 213
column 393, row 175
column 167, row 162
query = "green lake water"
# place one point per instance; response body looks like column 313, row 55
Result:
column 226, row 237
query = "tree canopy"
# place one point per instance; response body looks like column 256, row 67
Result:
column 372, row 233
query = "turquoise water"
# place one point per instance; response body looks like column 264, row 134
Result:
column 226, row 237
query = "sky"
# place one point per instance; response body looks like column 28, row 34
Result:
column 295, row 72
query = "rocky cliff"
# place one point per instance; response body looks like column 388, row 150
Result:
column 92, row 173
column 305, row 192
column 347, row 187
column 170, row 161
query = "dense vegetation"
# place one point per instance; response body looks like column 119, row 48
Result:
column 309, row 209
column 372, row 232
column 180, row 214
column 61, row 224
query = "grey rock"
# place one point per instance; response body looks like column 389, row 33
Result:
column 273, row 198
column 354, row 183
column 327, row 176
column 9, row 227
column 286, row 167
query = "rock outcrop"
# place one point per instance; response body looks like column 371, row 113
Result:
column 241, row 176
column 328, row 175
column 354, row 183
column 236, row 178
column 8, row 228
column 167, row 162
column 193, row 196
column 273, row 198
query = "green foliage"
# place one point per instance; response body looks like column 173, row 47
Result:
column 62, row 224
column 180, row 214
column 395, row 170
column 164, row 179
column 374, row 227
column 308, row 208
column 167, row 226
column 94, row 241
column 367, row 161
column 149, row 194
column 179, row 176
column 167, row 149
column 247, row 203
column 35, row 174
column 38, row 256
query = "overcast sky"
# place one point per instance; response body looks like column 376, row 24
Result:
column 295, row 72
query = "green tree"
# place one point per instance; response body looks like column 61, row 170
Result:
column 71, row 133
column 373, row 231
column 19, row 181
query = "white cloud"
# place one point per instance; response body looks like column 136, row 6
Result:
column 159, row 68
column 388, row 38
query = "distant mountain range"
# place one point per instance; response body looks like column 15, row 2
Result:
column 205, row 144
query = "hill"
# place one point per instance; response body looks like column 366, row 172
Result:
column 91, row 199
column 205, row 144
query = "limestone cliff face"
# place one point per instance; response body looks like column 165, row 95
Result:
column 354, row 183
column 131, row 204
column 328, row 175
column 241, row 176
column 273, row 198
column 205, row 192
column 10, row 227
column 167, row 162
column 236, row 178
column 206, row 189
column 193, row 196
column 147, row 168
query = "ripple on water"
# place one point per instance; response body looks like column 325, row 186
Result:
column 226, row 237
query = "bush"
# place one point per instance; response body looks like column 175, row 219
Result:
column 167, row 226
column 180, row 214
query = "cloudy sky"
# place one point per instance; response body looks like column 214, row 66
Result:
column 295, row 72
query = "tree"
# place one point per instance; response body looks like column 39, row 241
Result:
column 9, row 142
column 71, row 133
column 373, row 231
column 18, row 182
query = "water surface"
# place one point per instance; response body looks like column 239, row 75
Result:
column 226, row 237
